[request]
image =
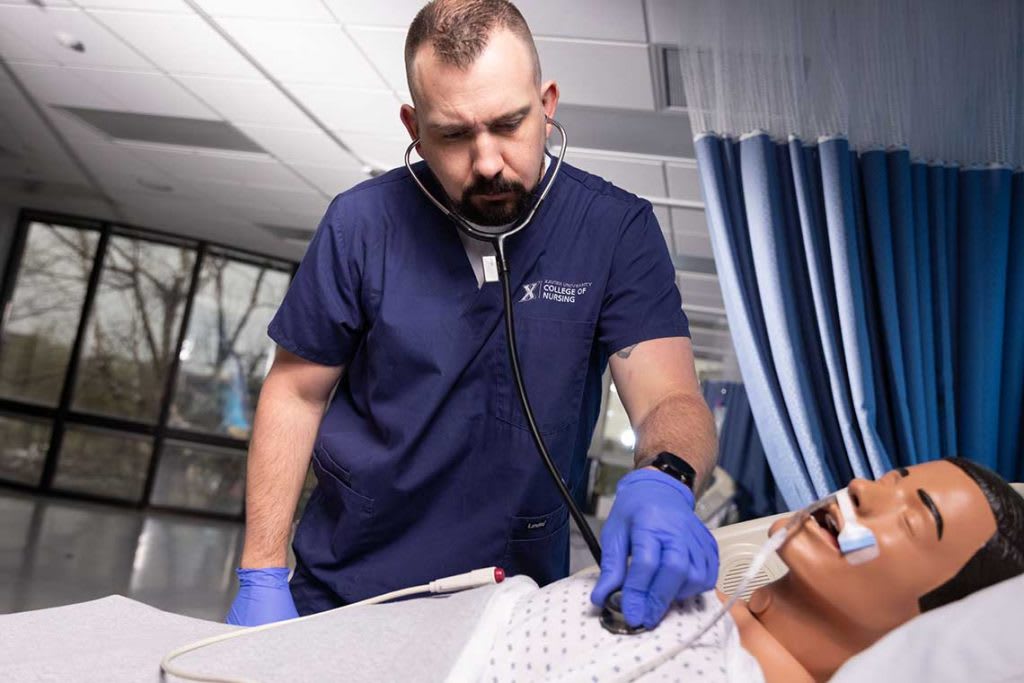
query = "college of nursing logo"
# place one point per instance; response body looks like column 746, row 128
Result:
column 554, row 290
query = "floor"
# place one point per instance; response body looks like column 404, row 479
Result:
column 55, row 551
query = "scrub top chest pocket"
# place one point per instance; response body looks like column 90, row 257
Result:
column 554, row 356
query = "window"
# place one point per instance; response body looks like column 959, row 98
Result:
column 227, row 352
column 133, row 330
column 42, row 318
column 23, row 446
column 99, row 321
column 203, row 478
column 103, row 462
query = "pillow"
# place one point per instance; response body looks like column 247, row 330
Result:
column 976, row 639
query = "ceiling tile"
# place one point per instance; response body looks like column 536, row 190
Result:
column 194, row 165
column 39, row 28
column 246, row 101
column 141, row 5
column 386, row 49
column 330, row 180
column 397, row 13
column 301, row 146
column 595, row 19
column 176, row 43
column 684, row 182
column 17, row 48
column 118, row 167
column 292, row 10
column 130, row 91
column 347, row 109
column 303, row 52
column 380, row 152
column 599, row 74
column 640, row 177
column 147, row 93
column 54, row 85
column 246, row 197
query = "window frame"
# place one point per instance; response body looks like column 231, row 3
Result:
column 63, row 415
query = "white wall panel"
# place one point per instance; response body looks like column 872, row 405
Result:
column 684, row 181
column 665, row 19
column 638, row 176
column 594, row 19
column 599, row 74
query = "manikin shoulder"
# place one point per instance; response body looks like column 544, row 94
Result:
column 777, row 664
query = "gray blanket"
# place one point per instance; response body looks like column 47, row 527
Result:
column 116, row 639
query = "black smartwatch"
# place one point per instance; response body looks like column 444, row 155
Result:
column 672, row 465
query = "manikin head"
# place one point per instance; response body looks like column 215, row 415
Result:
column 944, row 529
column 479, row 105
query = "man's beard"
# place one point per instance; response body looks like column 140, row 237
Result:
column 496, row 213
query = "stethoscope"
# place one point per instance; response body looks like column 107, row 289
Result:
column 611, row 616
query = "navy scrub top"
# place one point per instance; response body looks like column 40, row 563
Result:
column 424, row 461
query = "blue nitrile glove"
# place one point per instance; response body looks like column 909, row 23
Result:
column 263, row 597
column 674, row 554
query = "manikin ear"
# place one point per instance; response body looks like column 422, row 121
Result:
column 549, row 100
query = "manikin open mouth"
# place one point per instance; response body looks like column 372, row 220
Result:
column 829, row 520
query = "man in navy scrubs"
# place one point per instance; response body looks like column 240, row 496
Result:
column 424, row 462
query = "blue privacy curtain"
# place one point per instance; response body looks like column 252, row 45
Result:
column 875, row 305
column 860, row 167
column 740, row 452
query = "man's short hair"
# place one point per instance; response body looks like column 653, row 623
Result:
column 459, row 30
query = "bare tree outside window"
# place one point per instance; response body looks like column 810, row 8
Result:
column 133, row 328
column 227, row 353
column 42, row 318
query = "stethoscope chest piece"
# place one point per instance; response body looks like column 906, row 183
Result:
column 612, row 618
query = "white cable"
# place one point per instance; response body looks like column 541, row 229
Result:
column 449, row 584
column 772, row 545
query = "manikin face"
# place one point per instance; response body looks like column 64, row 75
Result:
column 928, row 520
column 482, row 129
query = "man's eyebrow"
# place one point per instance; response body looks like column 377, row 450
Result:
column 518, row 113
column 930, row 504
column 452, row 127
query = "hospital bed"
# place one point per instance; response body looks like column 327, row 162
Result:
column 116, row 639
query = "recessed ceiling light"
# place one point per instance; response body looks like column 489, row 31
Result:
column 69, row 41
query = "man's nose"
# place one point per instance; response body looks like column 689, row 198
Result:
column 487, row 159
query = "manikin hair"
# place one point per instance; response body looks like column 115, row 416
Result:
column 1002, row 556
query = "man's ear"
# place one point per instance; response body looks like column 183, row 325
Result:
column 408, row 116
column 549, row 100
